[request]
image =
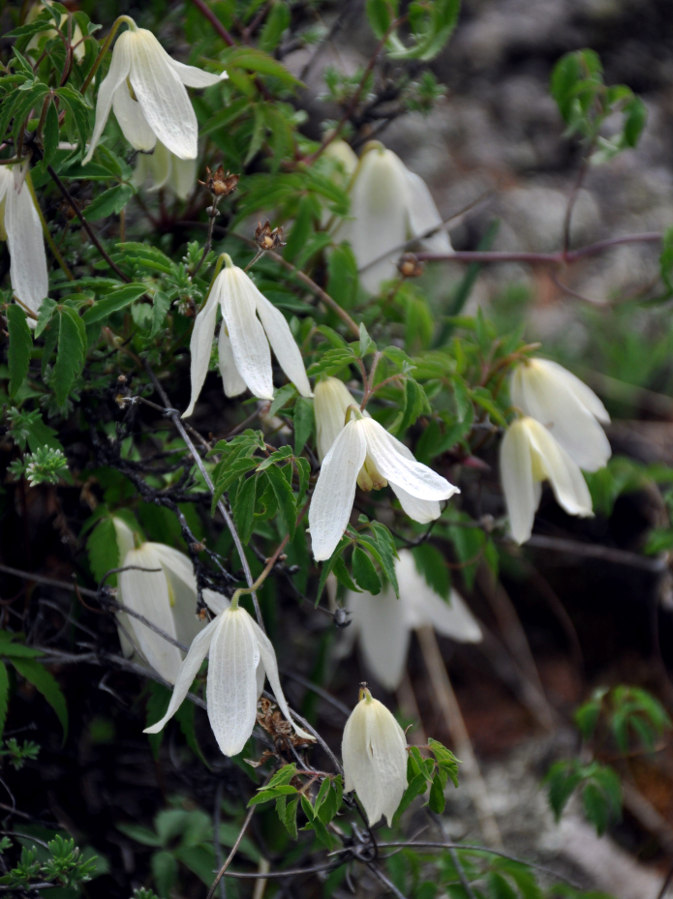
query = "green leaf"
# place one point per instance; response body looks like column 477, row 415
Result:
column 431, row 563
column 275, row 25
column 244, row 507
column 165, row 872
column 286, row 809
column 303, row 423
column 113, row 302
column 102, row 549
column 364, row 571
column 50, row 134
column 287, row 509
column 381, row 14
column 4, row 696
column 437, row 801
column 110, row 202
column 46, row 684
column 19, row 349
column 71, row 353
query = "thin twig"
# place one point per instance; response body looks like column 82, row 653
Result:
column 174, row 416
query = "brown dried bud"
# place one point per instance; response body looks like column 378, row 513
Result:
column 219, row 182
column 409, row 266
column 268, row 239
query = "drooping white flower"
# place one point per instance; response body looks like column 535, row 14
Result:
column 529, row 454
column 161, row 168
column 389, row 206
column 239, row 656
column 383, row 623
column 332, row 400
column 158, row 583
column 251, row 328
column 146, row 89
column 557, row 399
column 365, row 454
column 375, row 758
column 21, row 227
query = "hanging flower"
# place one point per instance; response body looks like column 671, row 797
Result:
column 240, row 655
column 366, row 455
column 146, row 89
column 374, row 752
column 557, row 399
column 383, row 623
column 389, row 206
column 332, row 399
column 251, row 324
column 529, row 454
column 158, row 583
column 161, row 168
column 21, row 227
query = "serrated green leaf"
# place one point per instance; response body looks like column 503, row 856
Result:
column 47, row 685
column 19, row 349
column 303, row 423
column 110, row 202
column 286, row 809
column 70, row 354
column 113, row 302
column 244, row 508
column 432, row 565
column 102, row 549
column 364, row 571
column 285, row 499
column 436, row 800
column 50, row 134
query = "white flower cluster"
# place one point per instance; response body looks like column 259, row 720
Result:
column 558, row 434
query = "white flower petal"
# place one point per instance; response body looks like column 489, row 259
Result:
column 421, row 510
column 183, row 176
column 516, row 476
column 146, row 592
column 161, row 94
column 565, row 477
column 334, row 491
column 249, row 344
column 283, row 344
column 215, row 601
column 120, row 66
column 383, row 633
column 131, row 120
column 422, row 606
column 424, row 215
column 124, row 537
column 400, row 468
column 200, row 346
column 231, row 690
column 192, row 76
column 232, row 382
column 186, row 674
column 270, row 667
column 332, row 399
column 28, row 261
column 375, row 759
column 557, row 399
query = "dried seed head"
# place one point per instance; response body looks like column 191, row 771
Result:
column 219, row 182
column 267, row 238
column 409, row 266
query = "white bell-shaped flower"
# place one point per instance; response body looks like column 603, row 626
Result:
column 158, row 583
column 557, row 399
column 365, row 454
column 332, row 400
column 389, row 206
column 239, row 656
column 383, row 623
column 374, row 752
column 21, row 227
column 529, row 454
column 161, row 168
column 251, row 328
column 146, row 89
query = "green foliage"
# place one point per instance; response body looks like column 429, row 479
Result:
column 598, row 785
column 585, row 102
column 24, row 659
column 57, row 863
